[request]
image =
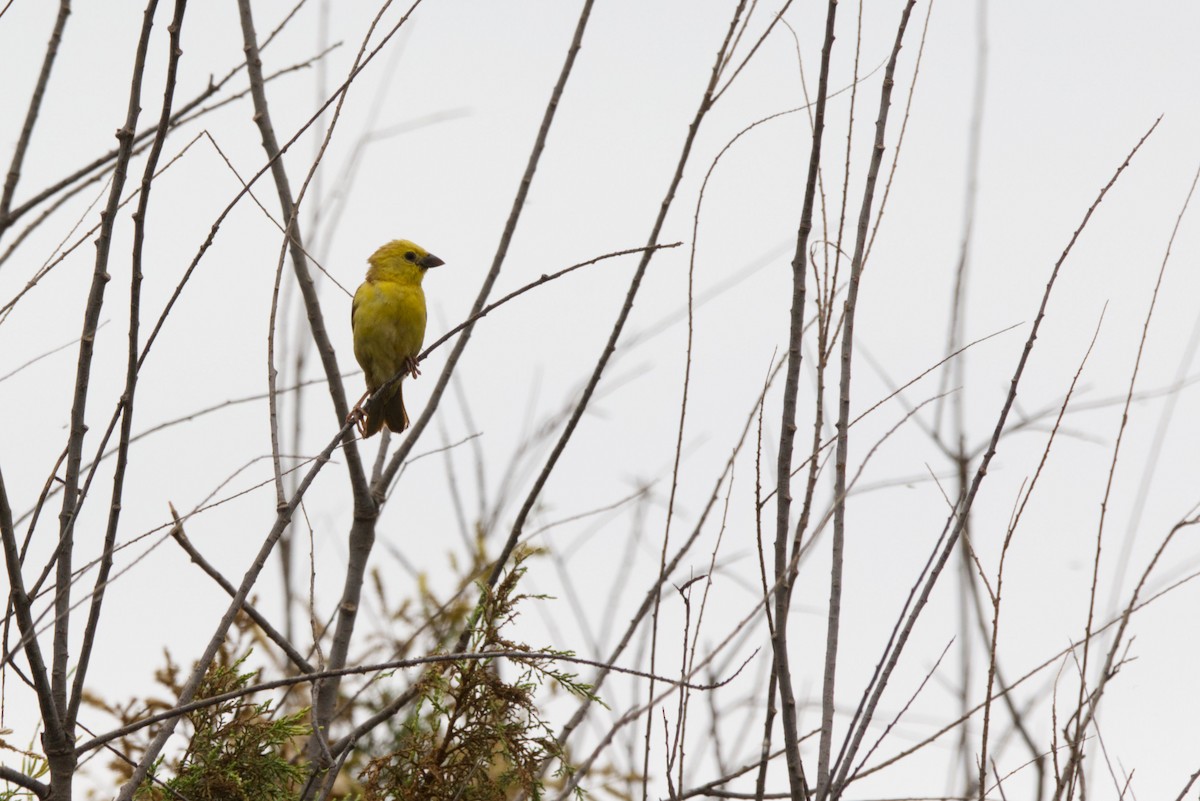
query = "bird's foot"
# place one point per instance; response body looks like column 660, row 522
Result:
column 358, row 418
column 410, row 364
column 358, row 415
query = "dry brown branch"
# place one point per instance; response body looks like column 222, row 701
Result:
column 1056, row 658
column 824, row 788
column 377, row 667
column 510, row 227
column 178, row 534
column 31, row 114
column 994, row 634
column 60, row 758
column 779, row 642
column 1084, row 718
column 186, row 113
column 362, row 531
column 126, row 406
column 900, row 638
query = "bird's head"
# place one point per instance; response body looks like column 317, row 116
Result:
column 401, row 261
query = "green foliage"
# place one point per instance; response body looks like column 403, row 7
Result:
column 238, row 750
column 474, row 736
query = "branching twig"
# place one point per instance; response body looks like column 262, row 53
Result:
column 824, row 788
column 1084, row 718
column 59, row 755
column 779, row 641
column 131, row 368
column 892, row 655
column 994, row 635
column 178, row 534
column 376, row 667
column 31, row 115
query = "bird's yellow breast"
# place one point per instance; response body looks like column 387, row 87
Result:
column 389, row 327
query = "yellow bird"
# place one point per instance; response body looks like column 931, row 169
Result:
column 388, row 319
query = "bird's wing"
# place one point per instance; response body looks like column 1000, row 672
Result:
column 358, row 295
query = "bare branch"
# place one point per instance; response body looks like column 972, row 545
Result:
column 958, row 520
column 824, row 788
column 131, row 370
column 31, row 115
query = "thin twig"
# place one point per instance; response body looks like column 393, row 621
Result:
column 178, row 534
column 510, row 227
column 178, row 118
column 824, row 788
column 994, row 635
column 377, row 667
column 40, row 676
column 31, row 115
column 779, row 643
column 59, row 756
column 131, row 371
column 1083, row 719
column 892, row 655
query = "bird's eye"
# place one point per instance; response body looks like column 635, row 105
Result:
column 410, row 256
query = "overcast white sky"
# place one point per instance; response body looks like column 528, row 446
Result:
column 1070, row 88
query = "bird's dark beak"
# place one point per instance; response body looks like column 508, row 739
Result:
column 430, row 260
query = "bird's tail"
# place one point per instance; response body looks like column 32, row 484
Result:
column 390, row 413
